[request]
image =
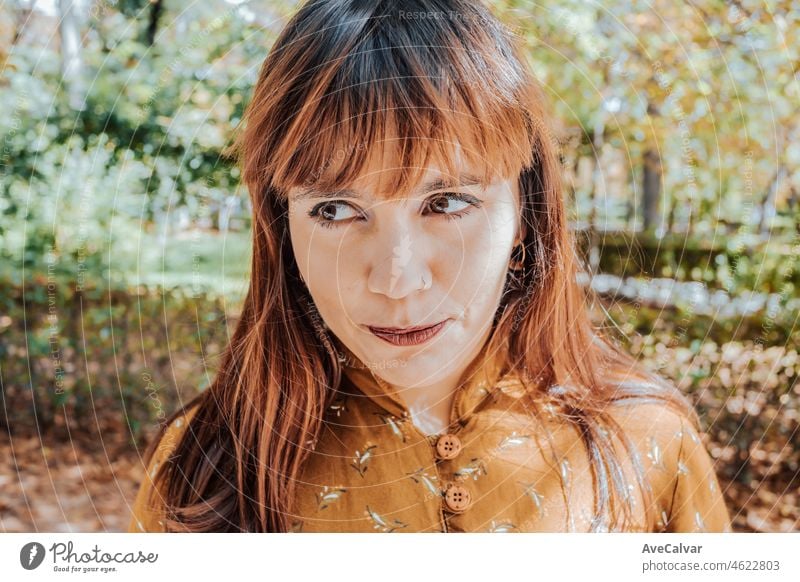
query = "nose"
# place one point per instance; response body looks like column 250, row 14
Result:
column 400, row 266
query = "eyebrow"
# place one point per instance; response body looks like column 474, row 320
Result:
column 462, row 181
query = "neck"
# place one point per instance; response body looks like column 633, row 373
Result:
column 431, row 405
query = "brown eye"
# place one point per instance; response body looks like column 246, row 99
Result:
column 326, row 213
column 453, row 204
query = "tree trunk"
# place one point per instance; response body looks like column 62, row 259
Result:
column 594, row 239
column 768, row 202
column 71, row 61
column 152, row 28
column 651, row 189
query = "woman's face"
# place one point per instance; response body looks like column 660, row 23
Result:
column 439, row 255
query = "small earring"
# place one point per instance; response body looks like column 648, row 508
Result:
column 518, row 271
column 520, row 263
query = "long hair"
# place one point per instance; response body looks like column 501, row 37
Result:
column 438, row 76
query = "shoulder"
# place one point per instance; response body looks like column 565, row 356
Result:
column 146, row 515
column 651, row 421
column 677, row 463
column 174, row 432
column 657, row 432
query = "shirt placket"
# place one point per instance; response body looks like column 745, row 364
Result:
column 446, row 447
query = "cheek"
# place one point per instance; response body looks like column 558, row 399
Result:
column 312, row 250
column 477, row 258
column 323, row 262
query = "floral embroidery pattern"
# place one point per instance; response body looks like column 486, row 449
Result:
column 566, row 473
column 513, row 440
column 654, row 454
column 698, row 521
column 663, row 519
column 535, row 496
column 474, row 469
column 420, row 476
column 328, row 495
column 395, row 425
column 338, row 406
column 362, row 458
column 381, row 523
column 502, row 527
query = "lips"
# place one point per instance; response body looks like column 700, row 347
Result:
column 403, row 329
column 408, row 336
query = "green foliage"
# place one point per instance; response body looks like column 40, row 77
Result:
column 73, row 359
column 737, row 265
column 145, row 150
column 712, row 86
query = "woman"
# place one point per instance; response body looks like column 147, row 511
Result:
column 414, row 353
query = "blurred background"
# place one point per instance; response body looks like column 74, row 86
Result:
column 124, row 232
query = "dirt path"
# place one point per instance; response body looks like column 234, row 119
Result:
column 66, row 487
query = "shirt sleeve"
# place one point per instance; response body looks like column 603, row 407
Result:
column 697, row 502
column 147, row 514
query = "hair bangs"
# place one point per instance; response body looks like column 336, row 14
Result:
column 404, row 103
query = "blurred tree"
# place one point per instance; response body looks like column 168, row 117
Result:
column 71, row 59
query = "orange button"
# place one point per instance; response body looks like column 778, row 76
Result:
column 457, row 497
column 448, row 446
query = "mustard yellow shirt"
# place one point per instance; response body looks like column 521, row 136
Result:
column 493, row 470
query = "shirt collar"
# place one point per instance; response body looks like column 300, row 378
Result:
column 481, row 378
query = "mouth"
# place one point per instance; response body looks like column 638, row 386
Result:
column 408, row 336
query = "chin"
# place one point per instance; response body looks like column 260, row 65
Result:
column 426, row 367
column 406, row 377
